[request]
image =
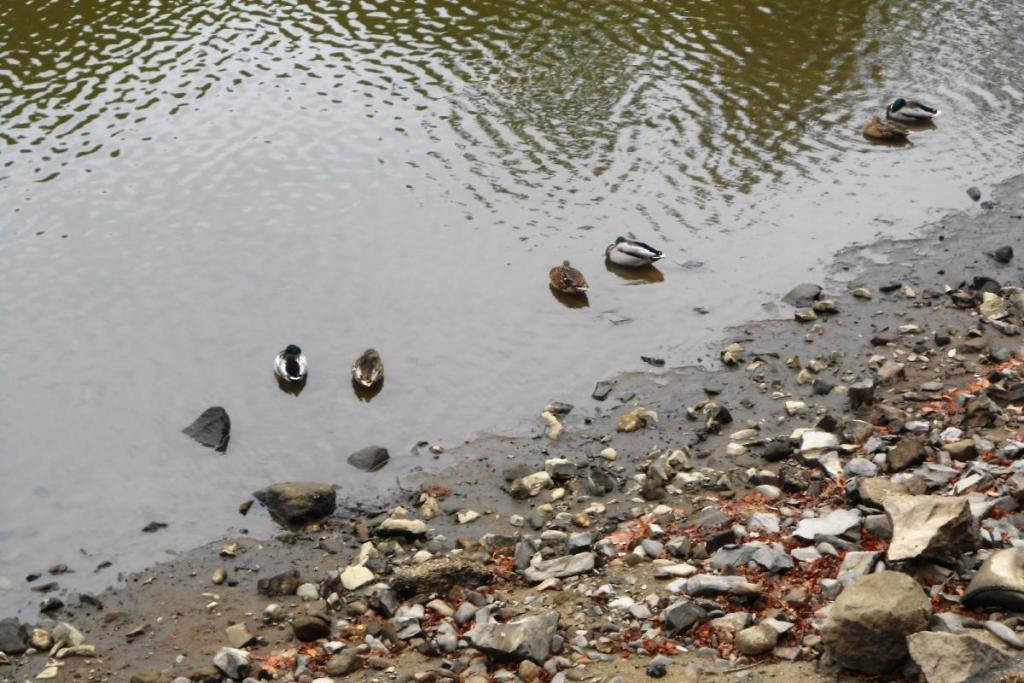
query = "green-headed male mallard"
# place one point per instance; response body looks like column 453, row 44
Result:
column 910, row 111
column 368, row 369
column 877, row 129
column 568, row 280
column 290, row 364
column 631, row 253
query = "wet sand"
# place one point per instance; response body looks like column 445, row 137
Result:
column 184, row 615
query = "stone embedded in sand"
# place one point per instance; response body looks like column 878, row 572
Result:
column 440, row 575
column 937, row 527
column 636, row 419
column 530, row 485
column 212, row 428
column 957, row 658
column 560, row 567
column 861, row 393
column 296, row 503
column 285, row 583
column 409, row 528
column 835, row 523
column 803, row 295
column 868, row 625
column 602, row 389
column 528, row 638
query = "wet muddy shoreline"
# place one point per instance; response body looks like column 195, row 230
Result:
column 171, row 618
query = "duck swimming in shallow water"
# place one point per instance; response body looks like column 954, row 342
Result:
column 568, row 280
column 631, row 253
column 368, row 369
column 877, row 129
column 290, row 364
column 910, row 111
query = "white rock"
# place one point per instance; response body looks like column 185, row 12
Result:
column 813, row 440
column 356, row 577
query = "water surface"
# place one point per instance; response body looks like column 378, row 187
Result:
column 188, row 187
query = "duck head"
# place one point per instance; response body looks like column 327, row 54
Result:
column 292, row 350
column 897, row 104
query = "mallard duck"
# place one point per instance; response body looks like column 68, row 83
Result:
column 568, row 280
column 368, row 369
column 910, row 111
column 877, row 129
column 632, row 253
column 290, row 364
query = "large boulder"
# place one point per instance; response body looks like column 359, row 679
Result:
column 936, row 527
column 13, row 636
column 999, row 582
column 957, row 658
column 868, row 625
column 440, row 575
column 212, row 428
column 528, row 638
column 296, row 503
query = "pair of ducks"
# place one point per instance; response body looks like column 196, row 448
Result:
column 622, row 252
column 290, row 367
column 899, row 112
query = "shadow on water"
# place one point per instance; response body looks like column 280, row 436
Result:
column 646, row 274
column 367, row 394
column 570, row 300
column 293, row 388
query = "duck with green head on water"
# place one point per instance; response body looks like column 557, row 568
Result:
column 631, row 253
column 368, row 369
column 910, row 111
column 290, row 365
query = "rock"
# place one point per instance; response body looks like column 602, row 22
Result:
column 936, row 527
column 952, row 658
column 309, row 628
column 407, row 528
column 636, row 419
column 440, row 575
column 973, row 192
column 285, row 583
column 998, row 583
column 239, row 636
column 681, row 615
column 297, row 503
column 868, row 625
column 234, row 663
column 212, row 428
column 1003, row 254
column 150, row 528
column 602, row 389
column 803, row 295
column 861, row 393
column 65, row 634
column 756, row 640
column 1005, row 634
column 835, row 523
column 560, row 567
column 560, row 468
column 369, row 459
column 151, row 677
column 342, row 665
column 13, row 636
column 814, row 441
column 908, row 452
column 528, row 638
column 711, row 585
column 355, row 577
column 530, row 485
column 40, row 639
column 962, row 450
column 874, row 490
column 856, row 565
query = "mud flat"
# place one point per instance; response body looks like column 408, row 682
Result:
column 835, row 495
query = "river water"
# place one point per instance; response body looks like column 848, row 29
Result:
column 185, row 188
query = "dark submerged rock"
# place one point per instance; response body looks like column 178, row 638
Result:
column 369, row 459
column 212, row 428
column 803, row 295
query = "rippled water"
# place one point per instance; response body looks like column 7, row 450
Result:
column 188, row 187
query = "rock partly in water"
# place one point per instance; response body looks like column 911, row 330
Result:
column 868, row 625
column 13, row 636
column 296, row 503
column 212, row 428
column 803, row 295
column 936, row 527
column 529, row 638
column 369, row 459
